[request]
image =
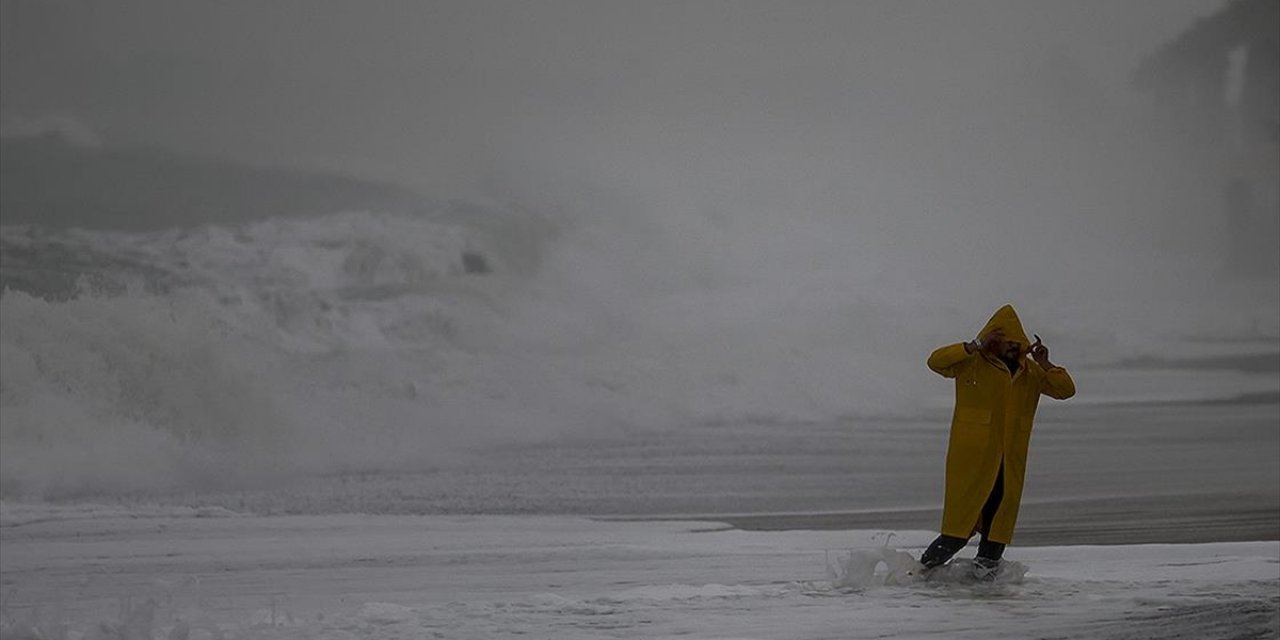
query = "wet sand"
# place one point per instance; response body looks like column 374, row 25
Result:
column 1153, row 473
column 1104, row 521
column 1097, row 475
column 1100, row 472
column 1248, row 512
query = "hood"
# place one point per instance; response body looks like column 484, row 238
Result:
column 1007, row 319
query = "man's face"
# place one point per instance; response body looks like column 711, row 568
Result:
column 1009, row 350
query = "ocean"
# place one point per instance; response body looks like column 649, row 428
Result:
column 480, row 422
column 250, row 356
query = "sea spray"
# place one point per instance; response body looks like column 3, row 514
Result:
column 211, row 356
column 225, row 356
column 880, row 566
column 228, row 356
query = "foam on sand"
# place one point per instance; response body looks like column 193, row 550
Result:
column 562, row 577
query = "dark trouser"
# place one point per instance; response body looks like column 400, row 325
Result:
column 946, row 546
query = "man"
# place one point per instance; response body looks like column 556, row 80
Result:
column 997, row 391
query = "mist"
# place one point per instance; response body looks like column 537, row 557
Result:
column 736, row 211
column 1002, row 127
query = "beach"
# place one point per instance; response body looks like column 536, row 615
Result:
column 1098, row 473
column 1135, row 523
column 210, row 574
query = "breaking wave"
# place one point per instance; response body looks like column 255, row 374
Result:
column 226, row 355
column 221, row 356
column 214, row 355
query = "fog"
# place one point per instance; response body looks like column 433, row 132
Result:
column 756, row 209
column 439, row 95
column 1004, row 134
column 921, row 124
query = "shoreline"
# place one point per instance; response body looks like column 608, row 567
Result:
column 1122, row 520
column 344, row 576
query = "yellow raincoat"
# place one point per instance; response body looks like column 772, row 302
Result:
column 991, row 426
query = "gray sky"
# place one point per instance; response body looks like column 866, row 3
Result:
column 452, row 97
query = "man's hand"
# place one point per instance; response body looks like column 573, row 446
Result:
column 1040, row 354
column 990, row 342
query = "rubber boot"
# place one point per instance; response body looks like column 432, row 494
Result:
column 942, row 549
column 986, row 565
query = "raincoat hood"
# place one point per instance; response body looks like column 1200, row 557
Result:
column 1006, row 318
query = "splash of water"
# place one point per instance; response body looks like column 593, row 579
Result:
column 886, row 566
